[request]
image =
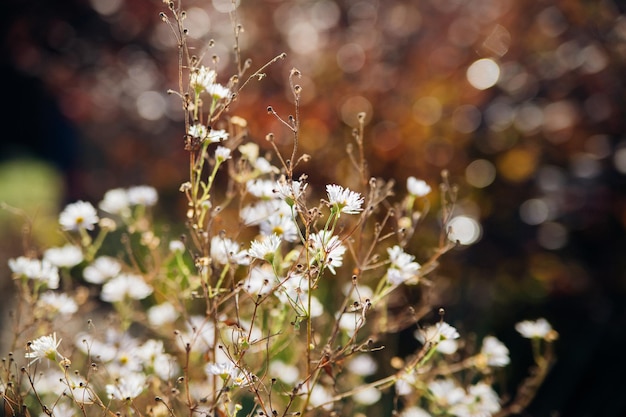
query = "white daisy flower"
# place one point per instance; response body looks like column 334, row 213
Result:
column 224, row 250
column 161, row 314
column 78, row 215
column 59, row 303
column 539, row 329
column 495, row 352
column 217, row 135
column 127, row 387
column 125, row 286
column 142, row 195
column 343, row 200
column 201, row 79
column 222, row 154
column 218, row 91
column 102, row 269
column 289, row 191
column 115, row 201
column 43, row 347
column 261, row 188
column 327, row 250
column 480, row 400
column 36, row 270
column 266, row 248
column 281, row 225
column 442, row 335
column 67, row 256
column 259, row 280
column 198, row 130
column 402, row 268
column 416, row 187
column 446, row 392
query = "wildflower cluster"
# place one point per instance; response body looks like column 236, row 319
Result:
column 274, row 302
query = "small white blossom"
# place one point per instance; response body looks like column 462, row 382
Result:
column 202, row 78
column 266, row 248
column 218, row 91
column 327, row 250
column 36, row 270
column 403, row 268
column 480, row 401
column 224, row 251
column 125, row 286
column 176, row 246
column 261, row 188
column 446, row 392
column 222, row 154
column 59, row 303
column 67, row 256
column 223, row 369
column 539, row 329
column 281, row 225
column 161, row 314
column 368, row 396
column 199, row 131
column 263, row 166
column 43, row 347
column 115, row 201
column 416, row 187
column 102, row 269
column 259, row 280
column 495, row 352
column 290, row 191
column 343, row 200
column 217, row 135
column 442, row 335
column 142, row 195
column 78, row 215
column 127, row 387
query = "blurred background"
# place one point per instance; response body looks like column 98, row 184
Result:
column 523, row 102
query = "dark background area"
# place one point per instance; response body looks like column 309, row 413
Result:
column 75, row 76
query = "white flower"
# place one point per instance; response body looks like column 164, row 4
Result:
column 480, row 401
column 263, row 166
column 67, row 256
column 43, row 347
column 416, row 187
column 222, row 153
column 259, row 280
column 222, row 369
column 261, row 188
column 218, row 91
column 289, row 191
column 36, row 270
column 442, row 335
column 281, row 225
column 327, row 250
column 115, row 201
column 78, row 215
column 57, row 303
column 539, row 329
column 343, row 200
column 266, row 248
column 177, row 246
column 495, row 352
column 102, row 269
column 402, row 268
column 125, row 286
column 446, row 392
column 202, row 78
column 127, row 387
column 161, row 314
column 405, row 384
column 198, row 130
column 249, row 151
column 217, row 135
column 142, row 195
column 224, row 251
